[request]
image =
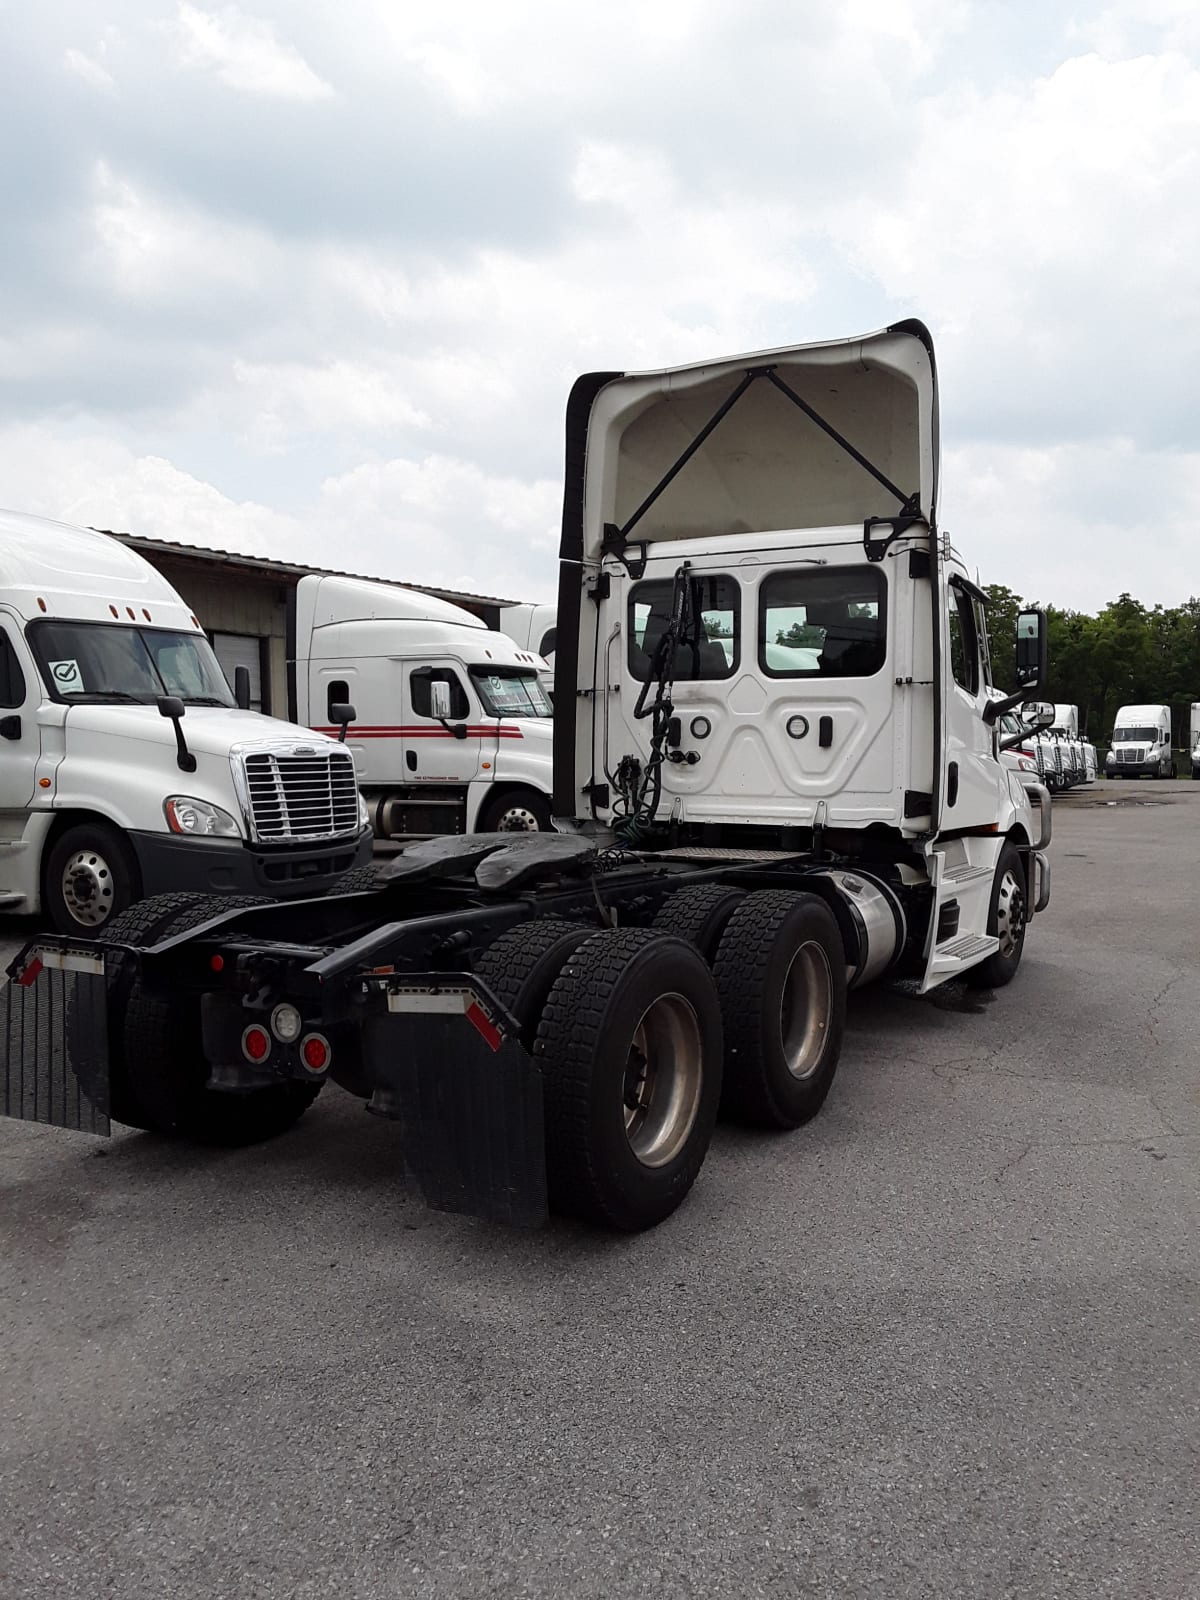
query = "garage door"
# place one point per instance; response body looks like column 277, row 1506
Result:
column 242, row 650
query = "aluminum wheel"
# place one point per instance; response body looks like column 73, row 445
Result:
column 1010, row 914
column 663, row 1076
column 88, row 889
column 517, row 819
column 806, row 1009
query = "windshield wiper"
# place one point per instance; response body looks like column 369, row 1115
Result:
column 94, row 697
column 206, row 700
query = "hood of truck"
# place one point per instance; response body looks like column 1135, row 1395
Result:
column 208, row 730
column 766, row 465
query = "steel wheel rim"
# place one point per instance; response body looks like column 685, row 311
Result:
column 517, row 819
column 805, row 1009
column 1010, row 914
column 87, row 888
column 664, row 1073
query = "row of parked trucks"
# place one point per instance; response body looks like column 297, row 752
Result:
column 779, row 774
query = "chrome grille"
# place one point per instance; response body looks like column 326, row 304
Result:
column 1129, row 758
column 302, row 793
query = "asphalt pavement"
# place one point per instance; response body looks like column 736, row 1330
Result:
column 945, row 1341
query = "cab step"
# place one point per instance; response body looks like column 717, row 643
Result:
column 957, row 955
column 11, row 897
column 965, row 875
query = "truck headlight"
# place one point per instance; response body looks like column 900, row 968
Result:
column 364, row 811
column 199, row 818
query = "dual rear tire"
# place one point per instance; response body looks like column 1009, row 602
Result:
column 642, row 1042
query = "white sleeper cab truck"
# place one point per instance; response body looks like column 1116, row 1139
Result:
column 778, row 776
column 1194, row 738
column 533, row 627
column 452, row 731
column 126, row 768
column 1141, row 742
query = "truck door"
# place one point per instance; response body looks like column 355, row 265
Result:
column 973, row 776
column 433, row 753
column 20, row 736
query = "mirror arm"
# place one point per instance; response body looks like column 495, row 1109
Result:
column 997, row 708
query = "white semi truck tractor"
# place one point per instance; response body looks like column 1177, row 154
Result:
column 778, row 776
column 452, row 732
column 127, row 767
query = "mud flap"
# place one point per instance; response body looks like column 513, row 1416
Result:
column 54, row 1030
column 468, row 1105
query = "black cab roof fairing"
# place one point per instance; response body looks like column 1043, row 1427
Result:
column 819, row 435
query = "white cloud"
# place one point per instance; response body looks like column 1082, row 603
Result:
column 244, row 53
column 151, row 250
column 368, row 321
column 289, row 397
column 468, row 529
column 90, row 70
column 94, row 481
column 1075, row 524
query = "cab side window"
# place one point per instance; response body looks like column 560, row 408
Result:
column 12, row 679
column 422, row 700
column 964, row 641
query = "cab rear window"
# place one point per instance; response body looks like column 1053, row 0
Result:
column 823, row 623
column 708, row 648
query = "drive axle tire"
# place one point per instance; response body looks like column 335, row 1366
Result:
column 518, row 811
column 630, row 1050
column 699, row 915
column 781, row 976
column 1006, row 922
column 522, row 966
column 157, row 1071
column 91, row 876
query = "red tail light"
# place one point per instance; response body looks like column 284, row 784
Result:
column 315, row 1052
column 256, row 1043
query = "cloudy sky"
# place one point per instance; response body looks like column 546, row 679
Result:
column 313, row 280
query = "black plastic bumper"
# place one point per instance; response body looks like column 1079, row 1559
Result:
column 227, row 866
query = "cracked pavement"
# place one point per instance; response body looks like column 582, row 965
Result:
column 942, row 1342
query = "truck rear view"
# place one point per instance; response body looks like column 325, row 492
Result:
column 778, row 777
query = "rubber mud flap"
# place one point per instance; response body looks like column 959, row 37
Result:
column 469, row 1117
column 54, row 1034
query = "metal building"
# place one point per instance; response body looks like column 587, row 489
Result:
column 247, row 606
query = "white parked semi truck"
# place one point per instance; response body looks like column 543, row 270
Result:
column 778, row 777
column 126, row 767
column 1194, row 738
column 452, row 725
column 1141, row 743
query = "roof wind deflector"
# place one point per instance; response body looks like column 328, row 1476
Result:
column 616, row 539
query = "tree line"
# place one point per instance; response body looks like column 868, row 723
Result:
column 1124, row 655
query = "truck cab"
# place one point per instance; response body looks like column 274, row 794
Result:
column 533, row 627
column 126, row 767
column 453, row 725
column 1141, row 743
column 765, row 643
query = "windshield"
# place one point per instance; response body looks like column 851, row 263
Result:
column 93, row 662
column 511, row 692
column 1136, row 736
